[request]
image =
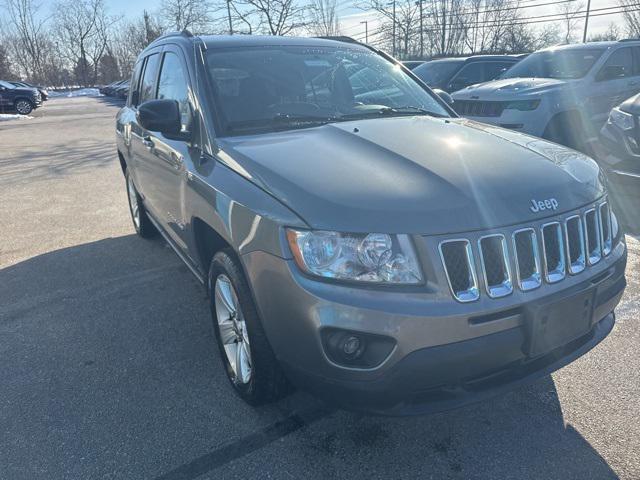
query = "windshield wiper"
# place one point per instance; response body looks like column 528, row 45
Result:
column 390, row 112
column 281, row 120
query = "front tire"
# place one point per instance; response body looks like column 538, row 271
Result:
column 23, row 107
column 139, row 215
column 247, row 357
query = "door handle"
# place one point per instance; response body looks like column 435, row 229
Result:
column 633, row 83
column 147, row 142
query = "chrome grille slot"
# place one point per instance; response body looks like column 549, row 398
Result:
column 592, row 234
column 605, row 228
column 576, row 255
column 495, row 265
column 553, row 252
column 457, row 258
column 525, row 246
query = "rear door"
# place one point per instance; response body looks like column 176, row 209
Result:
column 141, row 139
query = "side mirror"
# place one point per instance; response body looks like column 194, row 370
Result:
column 612, row 71
column 161, row 116
column 448, row 99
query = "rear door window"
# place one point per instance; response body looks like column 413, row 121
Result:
column 149, row 78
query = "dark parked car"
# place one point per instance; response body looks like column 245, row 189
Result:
column 110, row 89
column 356, row 238
column 620, row 142
column 451, row 74
column 43, row 91
column 122, row 90
column 411, row 64
column 22, row 100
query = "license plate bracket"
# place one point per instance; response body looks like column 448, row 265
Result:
column 554, row 324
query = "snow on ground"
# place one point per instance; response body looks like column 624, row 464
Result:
column 82, row 92
column 11, row 116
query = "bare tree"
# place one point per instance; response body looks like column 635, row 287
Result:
column 631, row 16
column 130, row 37
column 277, row 17
column 323, row 19
column 611, row 33
column 26, row 35
column 571, row 18
column 195, row 15
column 6, row 72
column 81, row 35
column 485, row 22
column 401, row 38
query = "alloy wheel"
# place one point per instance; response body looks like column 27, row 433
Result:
column 23, row 107
column 233, row 330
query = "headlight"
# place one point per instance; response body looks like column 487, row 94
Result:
column 621, row 119
column 371, row 258
column 523, row 105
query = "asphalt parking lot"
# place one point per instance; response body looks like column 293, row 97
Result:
column 108, row 368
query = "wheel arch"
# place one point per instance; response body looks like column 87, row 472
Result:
column 208, row 242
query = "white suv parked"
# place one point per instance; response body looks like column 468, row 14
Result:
column 561, row 93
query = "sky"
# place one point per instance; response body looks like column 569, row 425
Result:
column 350, row 17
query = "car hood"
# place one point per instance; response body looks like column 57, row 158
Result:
column 413, row 174
column 512, row 87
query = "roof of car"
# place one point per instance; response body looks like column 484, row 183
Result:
column 582, row 46
column 474, row 58
column 223, row 41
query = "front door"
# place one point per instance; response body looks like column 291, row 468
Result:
column 616, row 81
column 172, row 157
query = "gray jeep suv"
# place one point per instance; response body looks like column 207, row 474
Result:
column 355, row 237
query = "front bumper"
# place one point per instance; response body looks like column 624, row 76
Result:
column 446, row 354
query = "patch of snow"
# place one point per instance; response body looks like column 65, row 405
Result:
column 11, row 116
column 82, row 92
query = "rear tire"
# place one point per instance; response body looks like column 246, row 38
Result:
column 23, row 106
column 139, row 215
column 238, row 329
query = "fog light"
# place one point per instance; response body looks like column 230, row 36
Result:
column 351, row 345
column 355, row 349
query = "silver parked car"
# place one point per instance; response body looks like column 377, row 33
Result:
column 563, row 94
column 356, row 238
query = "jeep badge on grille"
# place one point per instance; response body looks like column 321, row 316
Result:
column 540, row 205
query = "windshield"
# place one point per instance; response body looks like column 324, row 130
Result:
column 6, row 85
column 437, row 74
column 560, row 64
column 282, row 87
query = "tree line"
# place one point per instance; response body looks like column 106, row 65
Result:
column 80, row 42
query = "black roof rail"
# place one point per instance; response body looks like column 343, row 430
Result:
column 340, row 38
column 184, row 33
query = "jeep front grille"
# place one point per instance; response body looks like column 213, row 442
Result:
column 478, row 108
column 549, row 253
column 527, row 256
column 495, row 265
column 576, row 258
column 457, row 257
column 594, row 253
column 553, row 252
